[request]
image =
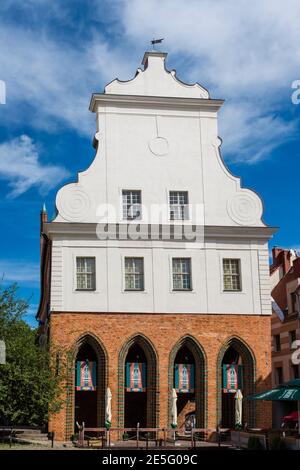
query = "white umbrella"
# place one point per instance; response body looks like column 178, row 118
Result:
column 238, row 407
column 108, row 406
column 2, row 352
column 174, row 407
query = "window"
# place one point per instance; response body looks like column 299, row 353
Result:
column 181, row 273
column 294, row 302
column 292, row 336
column 131, row 207
column 85, row 270
column 179, row 208
column 231, row 275
column 295, row 371
column 277, row 344
column 278, row 375
column 134, row 274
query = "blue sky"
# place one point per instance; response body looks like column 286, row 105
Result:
column 54, row 54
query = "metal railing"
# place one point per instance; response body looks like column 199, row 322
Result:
column 159, row 437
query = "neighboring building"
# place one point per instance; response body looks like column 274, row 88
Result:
column 285, row 280
column 145, row 316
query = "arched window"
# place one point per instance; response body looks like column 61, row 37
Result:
column 86, row 384
column 187, row 375
column 235, row 371
column 138, row 383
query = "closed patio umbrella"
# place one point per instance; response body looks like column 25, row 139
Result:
column 238, row 407
column 108, row 408
column 174, row 408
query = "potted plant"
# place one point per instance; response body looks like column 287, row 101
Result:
column 276, row 443
column 254, row 443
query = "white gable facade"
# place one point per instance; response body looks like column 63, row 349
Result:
column 156, row 134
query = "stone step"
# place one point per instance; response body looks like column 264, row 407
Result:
column 32, row 437
column 33, row 432
column 22, row 430
column 44, row 443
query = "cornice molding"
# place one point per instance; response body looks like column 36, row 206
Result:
column 155, row 101
column 210, row 232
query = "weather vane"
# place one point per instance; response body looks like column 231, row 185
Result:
column 156, row 41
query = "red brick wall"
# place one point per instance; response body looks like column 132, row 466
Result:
column 164, row 331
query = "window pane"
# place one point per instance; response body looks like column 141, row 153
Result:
column 138, row 281
column 129, row 282
column 227, row 282
column 176, row 281
column 176, row 266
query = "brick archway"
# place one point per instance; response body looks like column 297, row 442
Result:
column 151, row 382
column 200, row 378
column 102, row 365
column 249, row 377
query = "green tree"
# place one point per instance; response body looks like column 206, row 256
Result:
column 29, row 386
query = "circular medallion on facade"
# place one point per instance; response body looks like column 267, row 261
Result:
column 159, row 146
column 244, row 208
column 73, row 203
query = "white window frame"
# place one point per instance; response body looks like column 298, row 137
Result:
column 131, row 204
column 85, row 273
column 180, row 210
column 239, row 275
column 135, row 274
column 182, row 274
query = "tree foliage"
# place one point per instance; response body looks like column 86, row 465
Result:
column 29, row 386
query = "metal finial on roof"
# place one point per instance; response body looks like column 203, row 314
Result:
column 44, row 208
column 156, row 41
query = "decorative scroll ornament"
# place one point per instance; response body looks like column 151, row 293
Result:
column 244, row 208
column 73, row 203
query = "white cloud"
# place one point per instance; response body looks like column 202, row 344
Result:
column 21, row 271
column 251, row 134
column 54, row 79
column 245, row 53
column 20, row 166
column 236, row 45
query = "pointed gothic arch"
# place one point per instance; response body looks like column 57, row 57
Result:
column 200, row 363
column 247, row 359
column 140, row 343
column 92, row 345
